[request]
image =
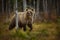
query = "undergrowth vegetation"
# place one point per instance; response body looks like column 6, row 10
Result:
column 41, row 31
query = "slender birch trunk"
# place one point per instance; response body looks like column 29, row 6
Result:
column 37, row 14
column 45, row 10
column 2, row 6
column 57, row 9
column 6, row 12
column 16, row 11
column 9, row 9
column 34, row 10
column 24, row 5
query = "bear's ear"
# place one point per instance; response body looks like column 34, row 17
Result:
column 26, row 9
column 32, row 9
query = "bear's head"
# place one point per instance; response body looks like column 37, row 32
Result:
column 30, row 14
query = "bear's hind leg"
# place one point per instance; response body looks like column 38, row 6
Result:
column 12, row 24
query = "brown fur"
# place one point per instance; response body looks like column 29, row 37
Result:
column 24, row 18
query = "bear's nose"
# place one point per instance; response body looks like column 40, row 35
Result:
column 28, row 13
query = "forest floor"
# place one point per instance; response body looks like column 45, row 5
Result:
column 41, row 31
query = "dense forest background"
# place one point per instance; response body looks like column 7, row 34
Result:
column 46, row 20
column 45, row 10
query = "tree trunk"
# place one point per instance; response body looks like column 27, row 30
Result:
column 24, row 5
column 2, row 6
column 57, row 8
column 6, row 12
column 16, row 11
column 9, row 9
column 37, row 12
column 45, row 10
column 34, row 3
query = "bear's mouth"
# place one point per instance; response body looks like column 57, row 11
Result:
column 29, row 13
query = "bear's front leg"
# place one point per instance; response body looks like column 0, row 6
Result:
column 24, row 27
column 30, row 26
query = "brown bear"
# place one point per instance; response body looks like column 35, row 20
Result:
column 24, row 18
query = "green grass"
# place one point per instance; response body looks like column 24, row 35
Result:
column 41, row 31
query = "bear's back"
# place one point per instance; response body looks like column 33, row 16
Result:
column 22, row 17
